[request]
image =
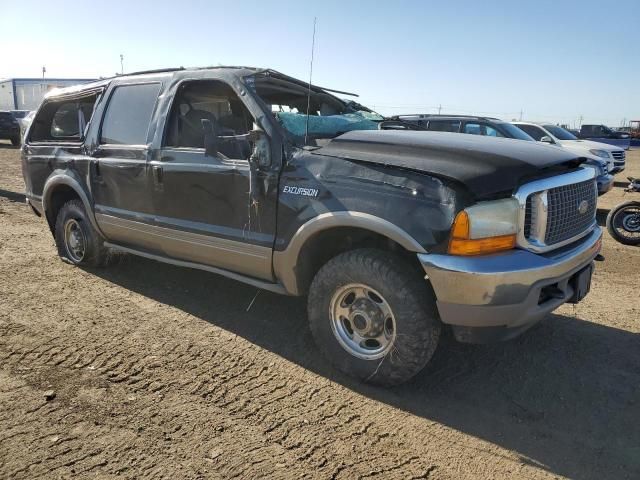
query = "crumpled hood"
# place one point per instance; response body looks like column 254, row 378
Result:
column 485, row 165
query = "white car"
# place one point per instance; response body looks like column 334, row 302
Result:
column 554, row 135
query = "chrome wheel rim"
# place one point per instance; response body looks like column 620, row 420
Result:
column 74, row 240
column 362, row 321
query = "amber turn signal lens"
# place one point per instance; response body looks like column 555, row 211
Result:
column 481, row 245
column 461, row 244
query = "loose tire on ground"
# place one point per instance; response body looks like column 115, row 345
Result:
column 73, row 228
column 395, row 286
column 614, row 222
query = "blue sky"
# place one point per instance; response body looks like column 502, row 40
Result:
column 554, row 60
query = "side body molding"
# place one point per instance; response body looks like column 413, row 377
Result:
column 284, row 262
column 67, row 178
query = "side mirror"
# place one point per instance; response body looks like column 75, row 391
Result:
column 210, row 137
column 261, row 151
column 546, row 139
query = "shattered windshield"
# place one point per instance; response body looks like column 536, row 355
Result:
column 329, row 116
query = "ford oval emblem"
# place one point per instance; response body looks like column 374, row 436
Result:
column 583, row 206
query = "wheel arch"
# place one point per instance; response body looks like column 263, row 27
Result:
column 60, row 187
column 329, row 234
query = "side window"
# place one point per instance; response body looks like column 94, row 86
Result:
column 126, row 121
column 472, row 128
column 489, row 131
column 475, row 128
column 444, row 125
column 214, row 103
column 64, row 120
column 534, row 132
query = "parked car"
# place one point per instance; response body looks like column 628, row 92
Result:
column 494, row 127
column 9, row 128
column 390, row 234
column 487, row 126
column 603, row 134
column 554, row 135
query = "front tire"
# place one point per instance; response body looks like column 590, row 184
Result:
column 623, row 223
column 77, row 241
column 373, row 316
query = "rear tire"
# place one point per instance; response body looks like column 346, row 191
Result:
column 373, row 316
column 77, row 241
column 616, row 222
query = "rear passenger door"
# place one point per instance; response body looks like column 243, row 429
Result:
column 120, row 175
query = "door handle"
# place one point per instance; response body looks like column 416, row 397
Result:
column 157, row 173
column 97, row 175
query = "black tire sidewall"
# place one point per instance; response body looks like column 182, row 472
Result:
column 611, row 227
column 74, row 209
column 417, row 323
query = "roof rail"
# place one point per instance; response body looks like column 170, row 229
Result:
column 437, row 115
column 157, row 70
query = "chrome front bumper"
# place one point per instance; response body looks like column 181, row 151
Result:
column 514, row 289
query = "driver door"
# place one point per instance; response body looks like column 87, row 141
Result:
column 208, row 207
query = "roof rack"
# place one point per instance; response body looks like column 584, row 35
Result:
column 431, row 115
column 157, row 70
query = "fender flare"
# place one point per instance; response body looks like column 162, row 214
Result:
column 285, row 261
column 67, row 178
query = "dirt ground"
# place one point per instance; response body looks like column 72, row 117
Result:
column 161, row 372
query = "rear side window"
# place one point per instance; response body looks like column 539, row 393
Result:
column 128, row 115
column 444, row 125
column 63, row 120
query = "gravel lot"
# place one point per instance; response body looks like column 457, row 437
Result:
column 161, row 372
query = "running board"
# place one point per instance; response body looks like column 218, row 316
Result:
column 272, row 287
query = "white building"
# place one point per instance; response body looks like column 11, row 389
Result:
column 27, row 93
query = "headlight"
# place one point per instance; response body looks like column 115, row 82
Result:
column 600, row 153
column 599, row 166
column 485, row 227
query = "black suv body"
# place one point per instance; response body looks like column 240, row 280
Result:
column 9, row 128
column 391, row 234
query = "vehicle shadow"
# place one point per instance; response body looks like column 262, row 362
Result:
column 12, row 196
column 601, row 216
column 564, row 396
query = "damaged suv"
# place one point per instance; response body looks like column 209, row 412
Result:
column 392, row 234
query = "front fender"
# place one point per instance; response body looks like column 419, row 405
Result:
column 284, row 262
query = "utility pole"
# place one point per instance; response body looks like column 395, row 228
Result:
column 121, row 64
column 580, row 122
column 44, row 70
column 521, row 112
column 439, row 109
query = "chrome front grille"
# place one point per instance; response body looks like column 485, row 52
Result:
column 571, row 210
column 618, row 154
column 558, row 210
